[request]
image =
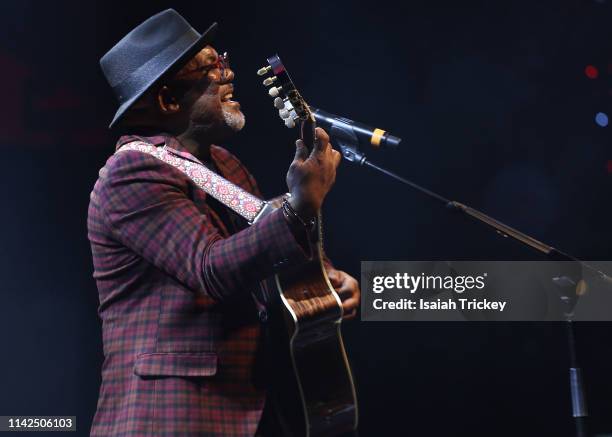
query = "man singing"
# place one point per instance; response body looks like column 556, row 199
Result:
column 174, row 267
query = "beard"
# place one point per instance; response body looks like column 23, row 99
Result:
column 207, row 129
column 235, row 120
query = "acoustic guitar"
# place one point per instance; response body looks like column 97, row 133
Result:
column 311, row 386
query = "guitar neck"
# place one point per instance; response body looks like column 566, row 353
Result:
column 307, row 132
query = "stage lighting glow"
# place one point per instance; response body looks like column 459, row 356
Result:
column 591, row 72
column 601, row 119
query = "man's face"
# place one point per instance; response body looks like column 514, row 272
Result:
column 212, row 112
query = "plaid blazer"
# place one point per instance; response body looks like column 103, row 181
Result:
column 179, row 325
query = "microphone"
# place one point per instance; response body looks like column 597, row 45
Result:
column 354, row 132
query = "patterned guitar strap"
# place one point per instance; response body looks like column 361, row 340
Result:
column 242, row 202
column 229, row 194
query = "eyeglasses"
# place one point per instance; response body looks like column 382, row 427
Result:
column 221, row 63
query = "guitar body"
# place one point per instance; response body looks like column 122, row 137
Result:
column 311, row 386
column 310, row 383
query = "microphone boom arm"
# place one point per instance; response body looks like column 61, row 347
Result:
column 351, row 152
column 349, row 146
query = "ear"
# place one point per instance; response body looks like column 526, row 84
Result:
column 167, row 102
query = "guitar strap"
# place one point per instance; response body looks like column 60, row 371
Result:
column 242, row 202
column 237, row 199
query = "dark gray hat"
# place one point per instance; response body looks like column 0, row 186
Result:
column 156, row 48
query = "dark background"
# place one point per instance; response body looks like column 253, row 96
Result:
column 494, row 108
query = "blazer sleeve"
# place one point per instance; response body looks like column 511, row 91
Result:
column 146, row 206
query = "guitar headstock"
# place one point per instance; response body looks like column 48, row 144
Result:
column 292, row 107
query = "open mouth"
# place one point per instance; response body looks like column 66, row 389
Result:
column 228, row 96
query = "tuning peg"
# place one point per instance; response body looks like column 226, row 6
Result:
column 270, row 80
column 274, row 91
column 264, row 70
column 290, row 122
column 283, row 113
column 279, row 103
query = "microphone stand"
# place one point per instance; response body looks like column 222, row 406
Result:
column 347, row 141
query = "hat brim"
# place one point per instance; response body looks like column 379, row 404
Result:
column 174, row 66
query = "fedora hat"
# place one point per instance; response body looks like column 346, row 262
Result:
column 153, row 50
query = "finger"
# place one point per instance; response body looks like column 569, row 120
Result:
column 349, row 305
column 348, row 282
column 350, row 300
column 322, row 141
column 350, row 314
column 347, row 292
column 334, row 278
column 344, row 292
column 337, row 156
column 301, row 152
column 335, row 281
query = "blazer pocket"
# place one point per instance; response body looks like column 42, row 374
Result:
column 176, row 364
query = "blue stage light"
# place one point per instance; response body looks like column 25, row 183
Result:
column 601, row 119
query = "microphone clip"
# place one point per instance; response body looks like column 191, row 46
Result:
column 348, row 143
column 350, row 152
